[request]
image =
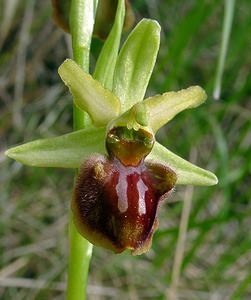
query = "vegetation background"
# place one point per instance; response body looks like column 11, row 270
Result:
column 34, row 202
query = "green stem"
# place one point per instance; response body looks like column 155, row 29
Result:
column 78, row 268
column 81, row 23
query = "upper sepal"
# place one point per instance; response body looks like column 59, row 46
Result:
column 135, row 63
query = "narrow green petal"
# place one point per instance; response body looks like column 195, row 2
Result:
column 89, row 95
column 187, row 173
column 162, row 108
column 66, row 151
column 135, row 63
column 108, row 56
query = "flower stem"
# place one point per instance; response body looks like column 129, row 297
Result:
column 79, row 259
column 81, row 24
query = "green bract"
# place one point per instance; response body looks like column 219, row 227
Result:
column 117, row 99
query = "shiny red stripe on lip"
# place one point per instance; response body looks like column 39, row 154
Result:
column 134, row 215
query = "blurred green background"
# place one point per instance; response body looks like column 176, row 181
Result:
column 34, row 202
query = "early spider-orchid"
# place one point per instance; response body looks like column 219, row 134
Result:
column 124, row 173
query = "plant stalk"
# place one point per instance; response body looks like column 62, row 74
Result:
column 80, row 252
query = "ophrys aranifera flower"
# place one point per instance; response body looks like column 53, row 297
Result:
column 124, row 173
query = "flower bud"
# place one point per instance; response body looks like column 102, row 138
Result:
column 105, row 16
column 61, row 13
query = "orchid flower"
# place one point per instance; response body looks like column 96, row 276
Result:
column 124, row 173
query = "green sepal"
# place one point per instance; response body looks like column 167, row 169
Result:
column 135, row 63
column 88, row 94
column 163, row 108
column 65, row 151
column 60, row 11
column 105, row 65
column 187, row 173
column 69, row 150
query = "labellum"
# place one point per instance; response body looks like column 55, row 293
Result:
column 116, row 198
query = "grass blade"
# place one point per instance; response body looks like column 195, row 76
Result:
column 227, row 25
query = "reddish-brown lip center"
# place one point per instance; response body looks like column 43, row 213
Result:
column 132, row 202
